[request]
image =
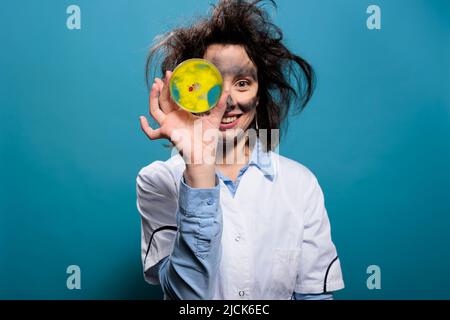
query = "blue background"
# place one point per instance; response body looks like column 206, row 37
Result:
column 376, row 134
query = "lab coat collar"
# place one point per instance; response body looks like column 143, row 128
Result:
column 262, row 160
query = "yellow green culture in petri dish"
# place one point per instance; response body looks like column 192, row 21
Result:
column 196, row 85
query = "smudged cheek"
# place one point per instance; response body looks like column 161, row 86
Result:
column 245, row 120
column 248, row 105
column 248, row 109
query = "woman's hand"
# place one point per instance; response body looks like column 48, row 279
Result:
column 195, row 136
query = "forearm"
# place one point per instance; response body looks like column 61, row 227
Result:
column 190, row 271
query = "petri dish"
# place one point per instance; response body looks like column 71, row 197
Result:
column 196, row 85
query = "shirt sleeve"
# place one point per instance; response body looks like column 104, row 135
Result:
column 318, row 296
column 189, row 270
column 320, row 269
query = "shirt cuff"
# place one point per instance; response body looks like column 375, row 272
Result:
column 316, row 296
column 201, row 202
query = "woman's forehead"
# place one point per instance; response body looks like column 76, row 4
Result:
column 231, row 60
column 237, row 70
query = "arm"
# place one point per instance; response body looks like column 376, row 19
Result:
column 320, row 271
column 190, row 271
column 196, row 246
column 180, row 233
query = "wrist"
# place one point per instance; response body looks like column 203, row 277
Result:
column 200, row 176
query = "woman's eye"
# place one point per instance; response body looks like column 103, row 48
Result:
column 242, row 83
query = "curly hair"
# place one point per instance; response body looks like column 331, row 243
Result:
column 248, row 24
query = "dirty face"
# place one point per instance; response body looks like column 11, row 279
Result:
column 241, row 81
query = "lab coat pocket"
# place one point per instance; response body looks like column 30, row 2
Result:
column 285, row 269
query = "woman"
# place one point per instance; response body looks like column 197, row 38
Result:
column 228, row 217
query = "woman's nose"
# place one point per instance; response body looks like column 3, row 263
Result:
column 230, row 104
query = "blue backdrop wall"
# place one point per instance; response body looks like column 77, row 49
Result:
column 376, row 134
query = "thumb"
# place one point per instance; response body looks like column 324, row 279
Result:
column 218, row 111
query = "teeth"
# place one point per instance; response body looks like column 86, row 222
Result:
column 229, row 119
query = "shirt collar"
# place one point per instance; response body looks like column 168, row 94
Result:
column 262, row 160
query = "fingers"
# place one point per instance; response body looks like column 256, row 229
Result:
column 155, row 111
column 219, row 110
column 162, row 104
column 167, row 78
column 166, row 102
column 152, row 134
column 160, row 84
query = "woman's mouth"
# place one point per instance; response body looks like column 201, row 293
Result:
column 229, row 122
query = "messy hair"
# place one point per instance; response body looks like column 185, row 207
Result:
column 248, row 24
